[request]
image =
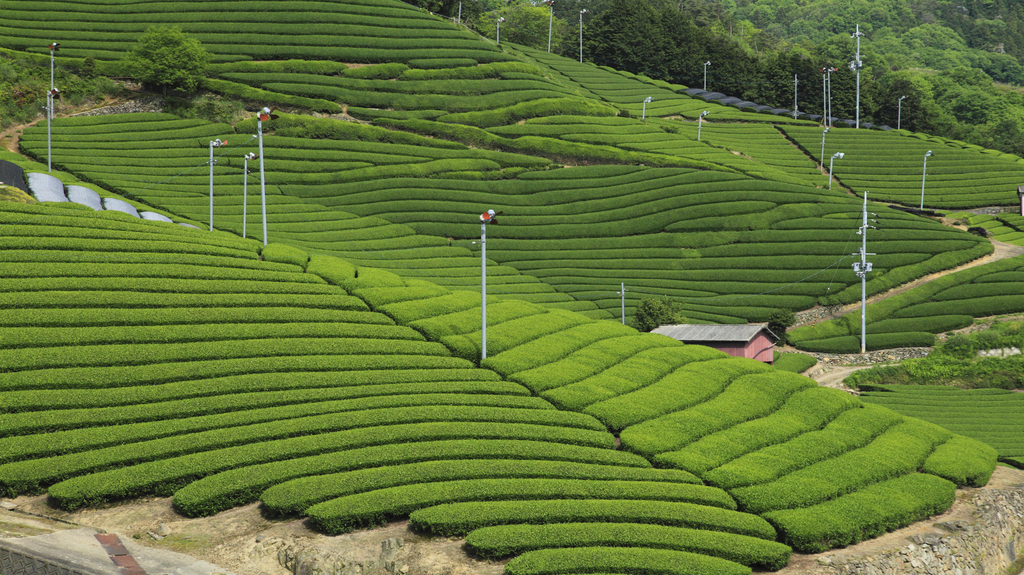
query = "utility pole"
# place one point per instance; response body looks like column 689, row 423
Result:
column 856, row 65
column 796, row 109
column 488, row 217
column 622, row 294
column 862, row 268
column 551, row 21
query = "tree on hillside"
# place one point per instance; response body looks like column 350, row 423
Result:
column 651, row 313
column 164, row 57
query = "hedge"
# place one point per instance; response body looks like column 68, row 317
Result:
column 458, row 519
column 683, row 388
column 125, row 354
column 853, row 429
column 868, row 513
column 640, row 561
column 794, row 362
column 747, row 397
column 43, row 337
column 122, row 406
column 554, row 346
column 900, row 450
column 515, row 333
column 296, row 495
column 132, row 443
column 643, row 369
column 260, row 368
column 373, row 508
column 244, row 485
column 962, row 460
column 875, row 341
column 804, row 411
column 508, row 540
column 594, row 359
column 530, row 109
column 165, row 476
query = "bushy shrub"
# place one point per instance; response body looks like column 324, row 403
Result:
column 867, row 513
column 458, row 519
column 620, row 559
column 509, row 540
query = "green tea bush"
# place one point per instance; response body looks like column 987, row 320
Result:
column 165, row 476
column 900, row 450
column 346, row 513
column 435, row 63
column 244, row 485
column 794, row 362
column 867, row 513
column 554, row 346
column 851, row 343
column 285, row 254
column 851, row 430
column 746, row 398
column 681, row 389
column 962, row 460
column 620, row 560
column 593, row 359
column 645, row 368
column 296, row 495
column 509, row 540
column 458, row 519
column 804, row 411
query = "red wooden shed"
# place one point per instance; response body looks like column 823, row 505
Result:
column 753, row 341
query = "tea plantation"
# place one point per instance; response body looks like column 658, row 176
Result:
column 332, row 368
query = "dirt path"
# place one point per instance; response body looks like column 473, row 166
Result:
column 1002, row 251
column 11, row 136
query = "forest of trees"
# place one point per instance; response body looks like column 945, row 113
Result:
column 958, row 62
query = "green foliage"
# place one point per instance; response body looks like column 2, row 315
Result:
column 285, row 254
column 372, row 508
column 962, row 460
column 510, row 540
column 794, row 362
column 297, row 495
column 245, row 484
column 165, row 57
column 870, row 512
column 615, row 559
column 900, row 450
column 779, row 321
column 458, row 519
column 652, row 313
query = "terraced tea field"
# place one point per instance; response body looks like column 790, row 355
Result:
column 993, row 416
column 332, row 369
column 347, row 394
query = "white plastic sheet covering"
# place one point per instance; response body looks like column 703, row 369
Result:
column 120, row 206
column 155, row 217
column 46, row 188
column 85, row 196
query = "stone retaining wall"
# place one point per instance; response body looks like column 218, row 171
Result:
column 131, row 106
column 987, row 544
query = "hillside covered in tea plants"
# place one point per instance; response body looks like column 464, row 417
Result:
column 332, row 368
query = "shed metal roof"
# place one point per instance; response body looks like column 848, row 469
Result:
column 703, row 332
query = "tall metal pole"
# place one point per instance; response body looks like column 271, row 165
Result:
column 830, row 96
column 622, row 293
column 460, row 11
column 245, row 190
column 212, row 162
column 49, row 121
column 823, row 151
column 862, row 268
column 706, row 64
column 699, row 122
column 643, row 114
column 857, row 65
column 796, row 109
column 923, row 170
column 551, row 21
column 582, row 12
column 497, row 39
column 899, row 111
column 824, row 99
column 483, row 290
column 263, row 181
column 49, row 114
